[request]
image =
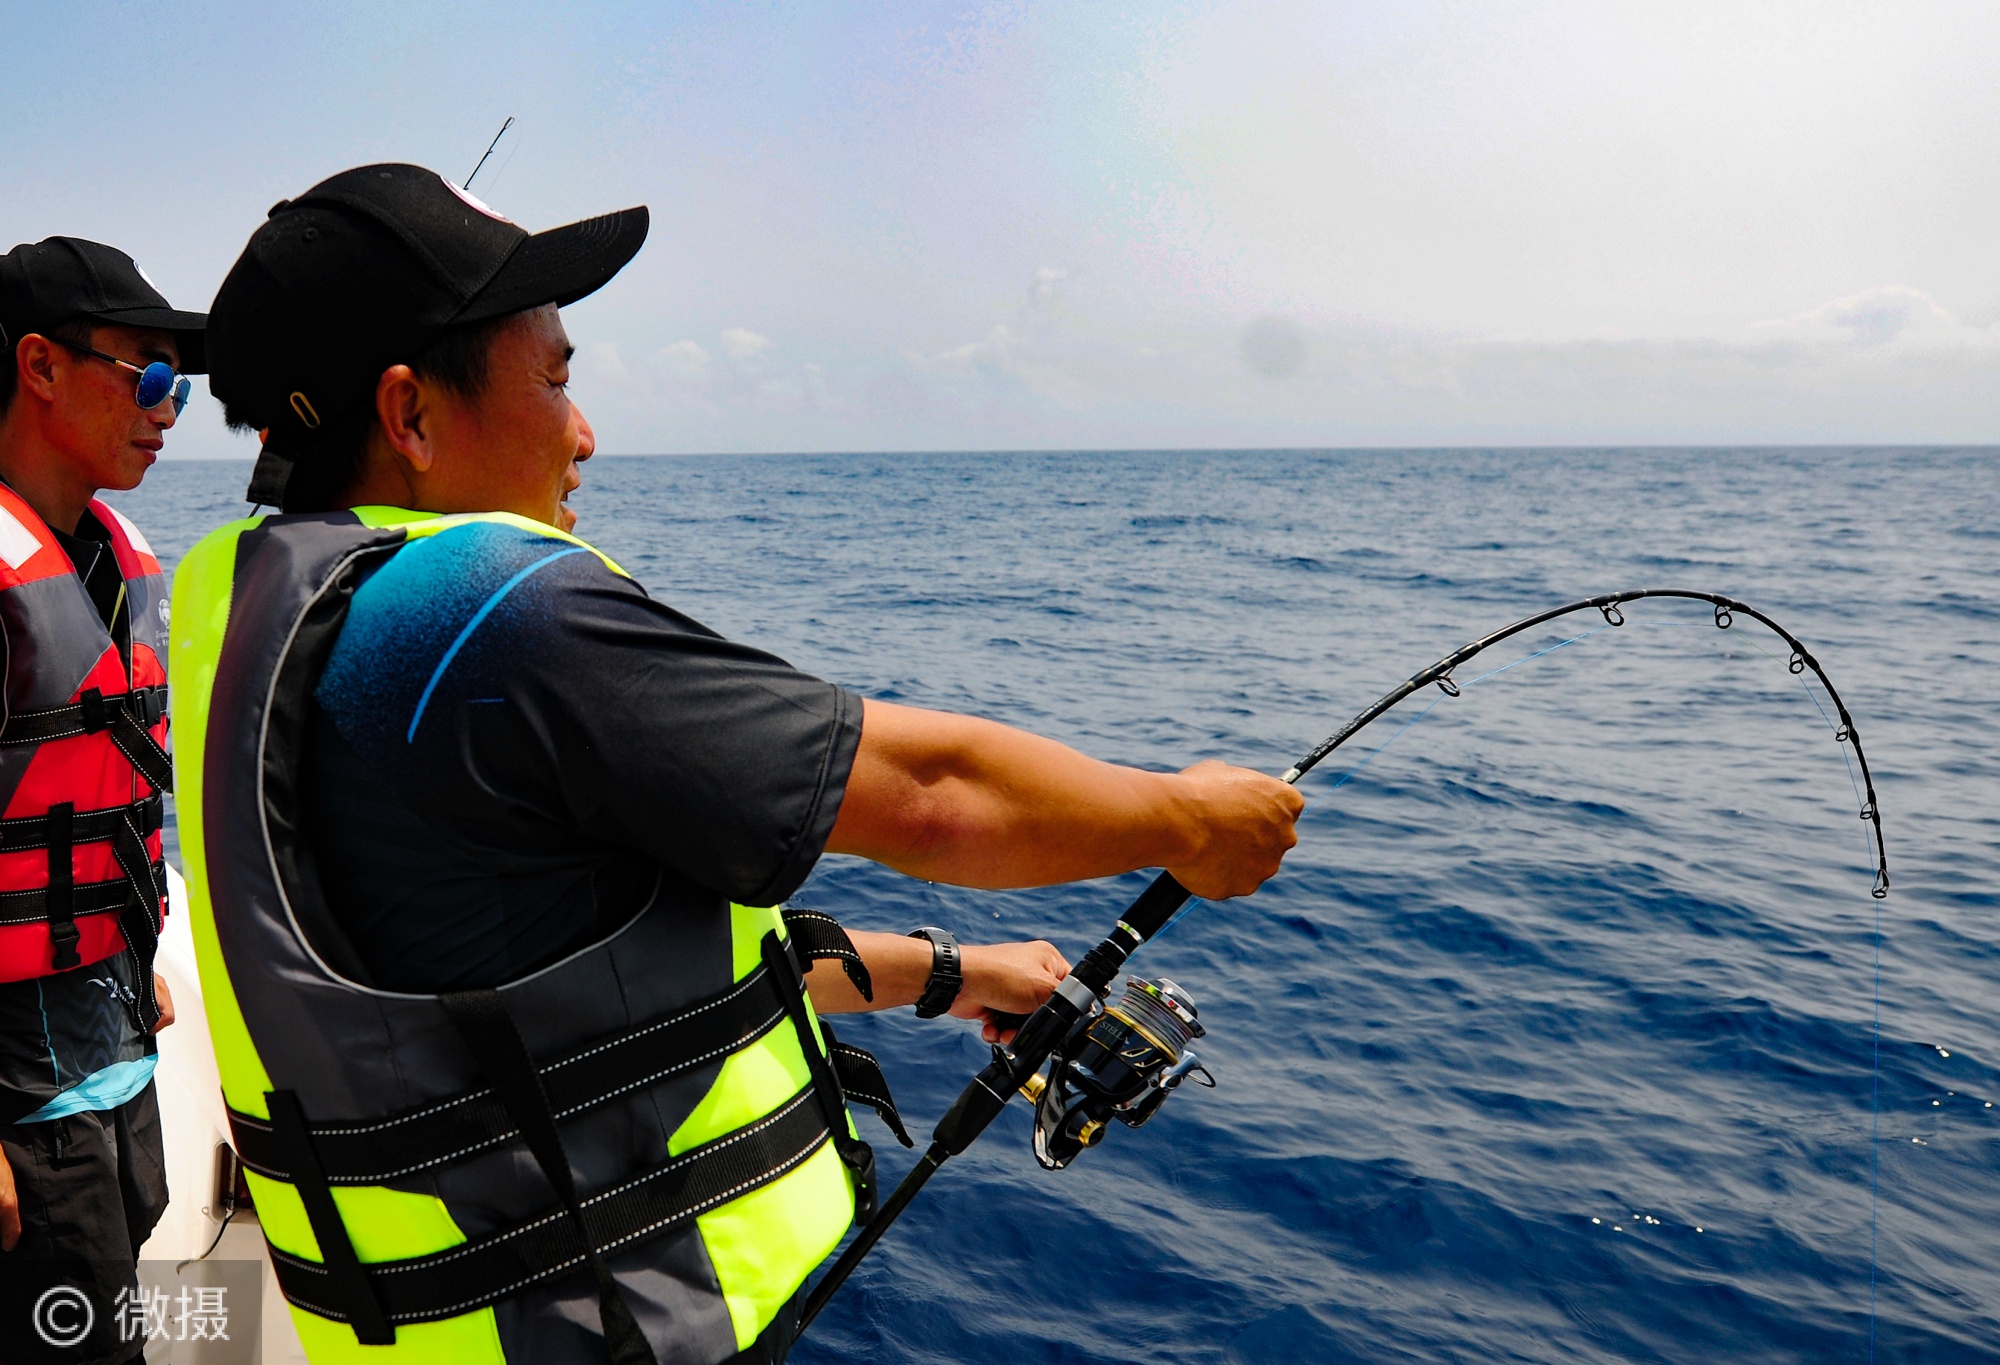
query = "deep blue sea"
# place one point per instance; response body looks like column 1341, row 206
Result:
column 1555, row 1038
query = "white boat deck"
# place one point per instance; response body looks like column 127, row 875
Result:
column 191, row 1113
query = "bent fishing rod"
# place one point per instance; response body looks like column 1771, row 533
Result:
column 1122, row 1060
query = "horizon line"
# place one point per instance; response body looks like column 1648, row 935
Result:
column 1495, row 447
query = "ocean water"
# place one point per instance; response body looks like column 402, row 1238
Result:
column 1555, row 1040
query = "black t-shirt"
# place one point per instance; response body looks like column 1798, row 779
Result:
column 512, row 744
column 97, row 565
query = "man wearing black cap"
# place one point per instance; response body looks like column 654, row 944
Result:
column 93, row 378
column 482, row 830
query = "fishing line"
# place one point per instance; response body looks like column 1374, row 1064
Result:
column 500, row 171
column 1875, row 1047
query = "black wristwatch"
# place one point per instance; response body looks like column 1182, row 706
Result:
column 946, row 978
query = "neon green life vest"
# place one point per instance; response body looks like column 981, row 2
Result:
column 408, row 1154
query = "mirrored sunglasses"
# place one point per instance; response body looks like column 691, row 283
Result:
column 157, row 381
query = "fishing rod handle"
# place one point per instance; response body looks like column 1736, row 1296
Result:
column 987, row 1093
column 1142, row 919
column 1154, row 907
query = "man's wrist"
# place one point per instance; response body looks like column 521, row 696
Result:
column 947, row 976
column 1187, row 825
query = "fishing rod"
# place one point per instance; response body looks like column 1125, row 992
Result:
column 489, row 151
column 1122, row 1060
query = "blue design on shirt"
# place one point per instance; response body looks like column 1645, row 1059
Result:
column 413, row 640
column 484, row 611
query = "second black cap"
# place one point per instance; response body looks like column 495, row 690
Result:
column 63, row 279
column 363, row 271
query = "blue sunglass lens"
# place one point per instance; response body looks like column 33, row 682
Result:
column 156, row 381
column 181, row 394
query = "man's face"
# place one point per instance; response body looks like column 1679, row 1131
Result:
column 109, row 441
column 516, row 447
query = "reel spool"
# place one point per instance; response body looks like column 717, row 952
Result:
column 1119, row 1062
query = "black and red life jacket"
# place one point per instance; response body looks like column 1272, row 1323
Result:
column 83, row 761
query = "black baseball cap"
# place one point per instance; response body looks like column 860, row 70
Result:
column 363, row 271
column 62, row 279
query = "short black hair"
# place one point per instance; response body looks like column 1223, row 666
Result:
column 456, row 361
column 81, row 330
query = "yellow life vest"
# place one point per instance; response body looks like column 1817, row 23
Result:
column 653, row 1123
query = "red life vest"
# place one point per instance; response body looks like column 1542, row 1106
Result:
column 83, row 759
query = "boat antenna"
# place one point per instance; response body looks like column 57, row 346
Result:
column 489, row 150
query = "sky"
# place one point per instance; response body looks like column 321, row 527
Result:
column 899, row 225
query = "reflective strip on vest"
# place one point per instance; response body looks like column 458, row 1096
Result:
column 256, row 605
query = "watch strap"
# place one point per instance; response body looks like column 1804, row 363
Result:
column 947, row 975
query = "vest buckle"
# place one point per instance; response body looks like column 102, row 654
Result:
column 148, row 705
column 63, row 935
column 96, row 715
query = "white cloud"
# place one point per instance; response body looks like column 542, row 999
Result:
column 686, row 360
column 993, row 352
column 1889, row 314
column 601, row 360
column 740, row 343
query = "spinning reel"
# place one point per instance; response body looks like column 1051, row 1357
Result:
column 1118, row 1062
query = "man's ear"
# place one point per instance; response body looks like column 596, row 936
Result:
column 403, row 405
column 35, row 366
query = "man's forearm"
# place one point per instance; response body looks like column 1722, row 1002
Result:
column 959, row 799
column 1004, row 978
column 898, row 970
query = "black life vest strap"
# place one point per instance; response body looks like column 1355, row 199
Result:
column 135, row 897
column 60, row 898
column 141, row 918
column 817, row 936
column 344, row 1280
column 856, row 1155
column 862, row 1081
column 28, row 832
column 503, row 1058
column 460, row 1279
column 526, row 1101
column 379, row 1151
column 127, row 715
column 86, row 898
